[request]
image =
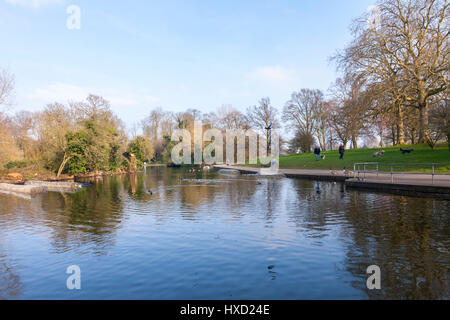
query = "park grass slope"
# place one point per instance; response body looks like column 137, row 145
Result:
column 422, row 155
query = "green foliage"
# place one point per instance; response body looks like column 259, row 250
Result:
column 94, row 147
column 16, row 164
column 125, row 165
column 142, row 149
column 77, row 144
column 163, row 150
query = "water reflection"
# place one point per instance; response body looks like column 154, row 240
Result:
column 407, row 237
column 206, row 235
column 86, row 220
column 10, row 283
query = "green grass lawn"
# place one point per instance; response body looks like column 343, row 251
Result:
column 421, row 154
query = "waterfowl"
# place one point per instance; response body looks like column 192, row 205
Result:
column 348, row 172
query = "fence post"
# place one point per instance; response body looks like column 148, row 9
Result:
column 364, row 173
column 392, row 175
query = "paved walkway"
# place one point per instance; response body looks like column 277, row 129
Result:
column 384, row 178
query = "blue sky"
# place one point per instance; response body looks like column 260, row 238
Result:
column 173, row 54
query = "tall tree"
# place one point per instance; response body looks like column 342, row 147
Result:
column 408, row 50
column 6, row 87
column 230, row 118
column 52, row 125
column 299, row 112
column 264, row 117
column 351, row 112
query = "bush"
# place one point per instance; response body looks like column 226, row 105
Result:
column 141, row 147
column 303, row 141
column 16, row 164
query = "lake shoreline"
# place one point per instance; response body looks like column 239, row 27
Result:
column 420, row 184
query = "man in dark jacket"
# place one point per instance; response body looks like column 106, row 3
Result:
column 317, row 152
column 341, row 151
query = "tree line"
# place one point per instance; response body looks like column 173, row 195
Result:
column 392, row 88
column 393, row 82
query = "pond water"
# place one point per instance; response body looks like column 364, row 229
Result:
column 214, row 236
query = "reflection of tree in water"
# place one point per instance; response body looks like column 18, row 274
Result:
column 10, row 285
column 137, row 187
column 407, row 237
column 268, row 197
column 15, row 210
column 89, row 216
column 181, row 191
column 312, row 208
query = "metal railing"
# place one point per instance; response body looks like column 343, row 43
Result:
column 361, row 174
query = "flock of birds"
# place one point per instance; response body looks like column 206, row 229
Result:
column 203, row 167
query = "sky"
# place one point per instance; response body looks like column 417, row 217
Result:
column 177, row 55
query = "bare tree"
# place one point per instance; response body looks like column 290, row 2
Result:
column 322, row 117
column 299, row 112
column 339, row 123
column 151, row 124
column 24, row 127
column 308, row 113
column 264, row 117
column 230, row 118
column 6, row 87
column 350, row 114
column 439, row 122
column 408, row 51
column 8, row 147
column 52, row 126
column 303, row 141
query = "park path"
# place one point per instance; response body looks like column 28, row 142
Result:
column 381, row 178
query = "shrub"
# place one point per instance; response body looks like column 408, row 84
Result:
column 16, row 164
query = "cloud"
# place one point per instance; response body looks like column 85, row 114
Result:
column 63, row 92
column 33, row 3
column 129, row 104
column 271, row 75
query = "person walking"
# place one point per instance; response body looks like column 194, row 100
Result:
column 341, row 152
column 317, row 152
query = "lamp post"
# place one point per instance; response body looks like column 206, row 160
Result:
column 269, row 138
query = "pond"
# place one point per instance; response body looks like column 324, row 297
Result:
column 222, row 236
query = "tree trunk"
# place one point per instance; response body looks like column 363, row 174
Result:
column 322, row 145
column 400, row 126
column 423, row 122
column 323, row 142
column 381, row 133
column 393, row 135
column 413, row 136
column 354, row 143
column 63, row 164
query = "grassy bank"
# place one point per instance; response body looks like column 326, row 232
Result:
column 421, row 154
column 29, row 171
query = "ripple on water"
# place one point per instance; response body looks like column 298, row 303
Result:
column 216, row 237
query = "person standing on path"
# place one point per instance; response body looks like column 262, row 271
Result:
column 341, row 152
column 317, row 152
